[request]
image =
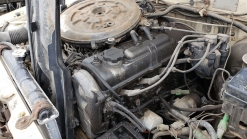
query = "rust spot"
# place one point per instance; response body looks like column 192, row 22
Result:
column 25, row 121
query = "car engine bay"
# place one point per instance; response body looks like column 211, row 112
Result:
column 139, row 69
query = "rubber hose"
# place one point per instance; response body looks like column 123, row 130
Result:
column 151, row 7
column 8, row 44
column 130, row 114
column 4, row 37
column 4, row 26
column 169, row 67
column 183, row 131
column 134, row 36
column 126, row 113
column 159, row 134
column 206, row 108
column 211, row 14
column 129, row 118
column 176, row 113
column 205, row 124
column 198, row 63
column 146, row 30
column 169, row 9
column 19, row 35
column 209, row 128
column 142, row 106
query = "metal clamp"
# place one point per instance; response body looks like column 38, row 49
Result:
column 25, row 121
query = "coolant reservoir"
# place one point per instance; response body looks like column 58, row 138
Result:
column 151, row 120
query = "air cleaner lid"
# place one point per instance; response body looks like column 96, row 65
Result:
column 97, row 20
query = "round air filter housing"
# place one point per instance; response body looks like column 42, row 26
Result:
column 94, row 21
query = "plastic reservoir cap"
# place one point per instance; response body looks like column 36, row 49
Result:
column 151, row 120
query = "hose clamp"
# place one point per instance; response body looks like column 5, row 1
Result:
column 2, row 47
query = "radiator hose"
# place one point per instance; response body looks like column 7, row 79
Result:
column 15, row 36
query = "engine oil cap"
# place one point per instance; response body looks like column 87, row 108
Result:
column 113, row 55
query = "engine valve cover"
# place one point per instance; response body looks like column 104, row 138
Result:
column 94, row 21
column 119, row 67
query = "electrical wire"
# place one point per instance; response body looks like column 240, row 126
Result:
column 168, row 71
column 197, row 64
column 196, row 10
column 199, row 115
column 181, row 43
column 230, row 50
column 186, row 25
column 212, row 81
column 191, row 132
column 189, row 59
column 171, row 62
column 181, row 30
column 142, row 129
column 185, row 79
column 217, row 46
column 198, row 123
column 179, row 3
column 202, row 115
column 186, row 119
column 218, row 12
column 126, row 113
column 142, row 106
column 205, row 108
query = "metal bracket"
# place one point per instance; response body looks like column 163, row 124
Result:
column 25, row 121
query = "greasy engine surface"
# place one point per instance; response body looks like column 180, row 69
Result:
column 126, row 69
column 137, row 72
column 118, row 66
